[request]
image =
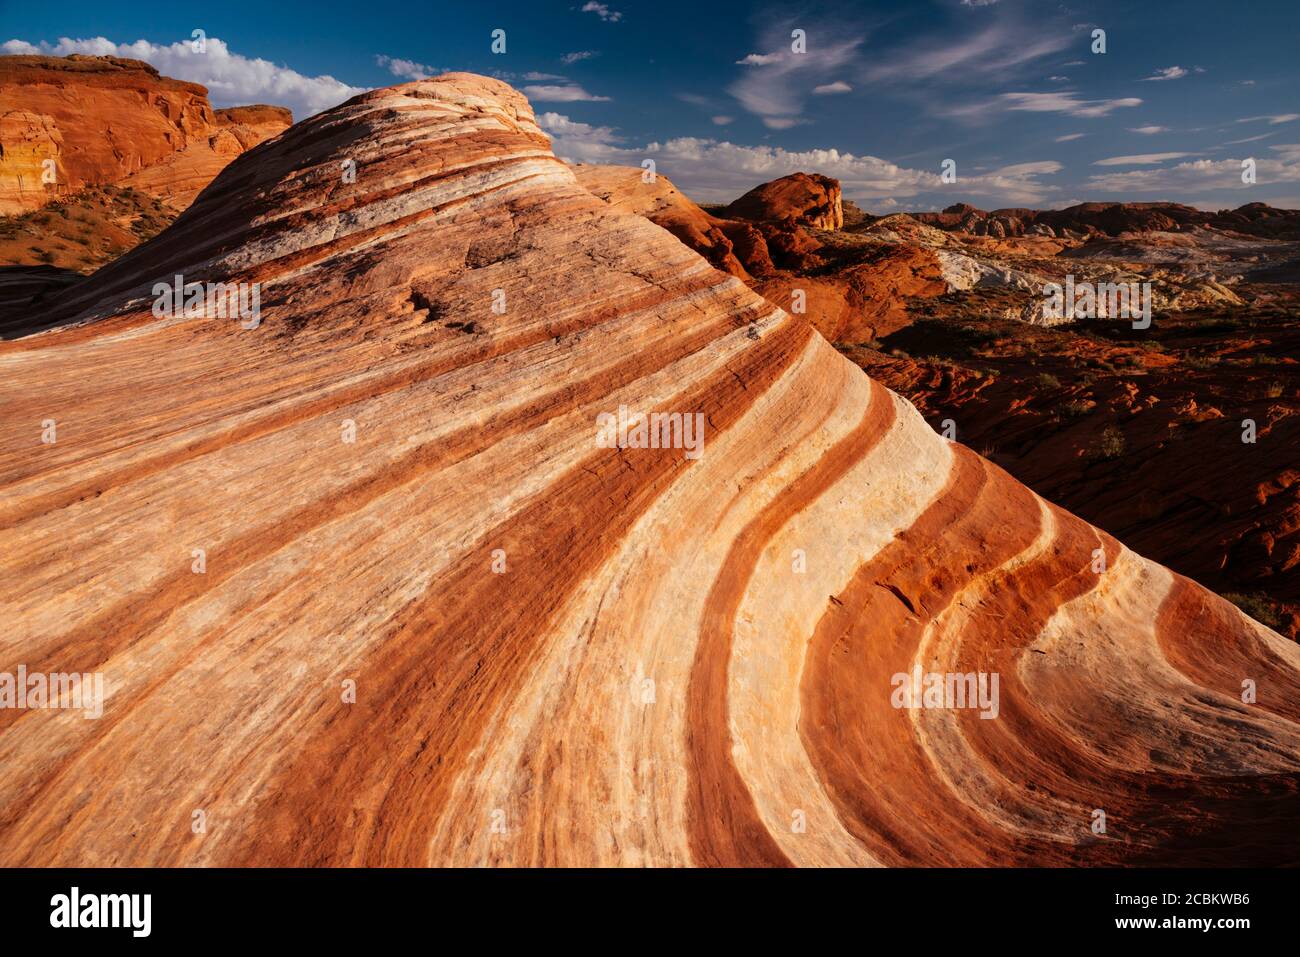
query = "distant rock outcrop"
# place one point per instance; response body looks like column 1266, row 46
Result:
column 1114, row 219
column 804, row 199
column 109, row 120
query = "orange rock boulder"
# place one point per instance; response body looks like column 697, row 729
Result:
column 805, row 199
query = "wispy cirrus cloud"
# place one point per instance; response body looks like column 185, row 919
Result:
column 578, row 55
column 1065, row 102
column 1275, row 120
column 994, row 50
column 232, row 79
column 1148, row 130
column 1141, row 159
column 773, row 84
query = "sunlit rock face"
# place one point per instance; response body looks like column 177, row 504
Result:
column 112, row 120
column 388, row 573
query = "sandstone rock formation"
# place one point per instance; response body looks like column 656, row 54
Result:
column 154, row 133
column 805, row 199
column 366, row 589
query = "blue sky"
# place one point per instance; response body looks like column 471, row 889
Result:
column 883, row 93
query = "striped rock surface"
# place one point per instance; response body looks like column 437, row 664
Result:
column 433, row 621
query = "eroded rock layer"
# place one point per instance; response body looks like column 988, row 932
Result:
column 365, row 588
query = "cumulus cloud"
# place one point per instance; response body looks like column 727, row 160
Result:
column 711, row 170
column 603, row 11
column 231, row 78
column 407, row 69
column 1200, row 176
column 839, row 86
column 570, row 93
column 1168, row 73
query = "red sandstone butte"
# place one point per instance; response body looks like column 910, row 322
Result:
column 110, row 120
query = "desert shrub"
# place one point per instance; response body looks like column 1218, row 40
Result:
column 1077, row 407
column 1110, row 444
column 1048, row 381
column 1274, row 390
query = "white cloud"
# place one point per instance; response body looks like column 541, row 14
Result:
column 839, row 86
column 578, row 55
column 1199, row 176
column 995, row 50
column 711, row 170
column 1168, row 73
column 1148, row 130
column 1070, row 136
column 231, row 78
column 774, row 86
column 603, row 11
column 407, row 69
column 572, row 93
column 1250, row 139
column 1272, row 120
column 722, row 120
column 1065, row 102
column 1141, row 159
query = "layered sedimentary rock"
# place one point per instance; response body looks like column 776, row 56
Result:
column 109, row 120
column 369, row 583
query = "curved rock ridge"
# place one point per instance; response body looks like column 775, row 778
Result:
column 366, row 586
